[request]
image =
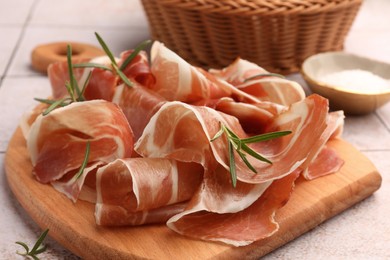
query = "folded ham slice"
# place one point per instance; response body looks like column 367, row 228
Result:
column 127, row 187
column 266, row 87
column 139, row 104
column 101, row 84
column 57, row 141
column 237, row 227
column 192, row 128
column 178, row 80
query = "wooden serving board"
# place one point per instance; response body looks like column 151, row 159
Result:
column 73, row 225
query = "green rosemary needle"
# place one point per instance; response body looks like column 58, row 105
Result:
column 113, row 61
column 240, row 145
column 38, row 248
column 85, row 161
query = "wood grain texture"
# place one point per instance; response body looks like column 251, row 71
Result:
column 73, row 225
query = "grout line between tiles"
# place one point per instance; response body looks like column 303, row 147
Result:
column 382, row 121
column 18, row 42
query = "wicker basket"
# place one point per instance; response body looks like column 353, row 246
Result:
column 276, row 34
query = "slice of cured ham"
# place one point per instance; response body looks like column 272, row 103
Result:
column 101, row 84
column 178, row 80
column 192, row 127
column 266, row 88
column 138, row 104
column 203, row 220
column 138, row 69
column 127, row 187
column 57, row 141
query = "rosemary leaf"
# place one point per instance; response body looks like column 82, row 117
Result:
column 123, row 77
column 86, row 83
column 85, row 161
column 265, row 137
column 232, row 165
column 39, row 242
column 137, row 49
column 217, row 135
column 264, row 75
column 91, row 65
column 72, row 80
column 46, row 101
column 38, row 248
column 55, row 104
column 24, row 246
column 247, row 163
column 106, row 49
column 254, row 154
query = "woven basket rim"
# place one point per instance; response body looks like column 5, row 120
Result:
column 259, row 7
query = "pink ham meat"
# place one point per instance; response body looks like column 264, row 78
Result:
column 266, row 88
column 101, row 84
column 324, row 160
column 192, row 128
column 138, row 69
column 138, row 104
column 128, row 188
column 177, row 80
column 57, row 141
column 202, row 220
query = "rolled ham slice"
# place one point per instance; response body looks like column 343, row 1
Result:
column 127, row 187
column 266, row 88
column 57, row 142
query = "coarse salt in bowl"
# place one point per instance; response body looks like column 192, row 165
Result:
column 352, row 83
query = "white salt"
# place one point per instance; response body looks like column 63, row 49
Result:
column 357, row 81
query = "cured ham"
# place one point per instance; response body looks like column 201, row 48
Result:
column 101, row 84
column 265, row 87
column 138, row 104
column 200, row 220
column 127, row 187
column 57, row 141
column 138, row 69
column 176, row 79
column 178, row 173
column 306, row 120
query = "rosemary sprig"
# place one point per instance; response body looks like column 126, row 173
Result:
column 264, row 75
column 114, row 64
column 242, row 148
column 91, row 65
column 38, row 248
column 135, row 52
column 85, row 161
column 72, row 87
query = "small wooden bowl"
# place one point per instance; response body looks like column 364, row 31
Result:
column 352, row 102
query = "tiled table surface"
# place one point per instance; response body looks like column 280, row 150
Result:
column 361, row 232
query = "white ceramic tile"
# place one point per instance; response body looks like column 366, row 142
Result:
column 372, row 43
column 366, row 132
column 384, row 114
column 117, row 39
column 349, row 235
column 7, row 45
column 16, row 97
column 14, row 12
column 16, row 225
column 89, row 13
